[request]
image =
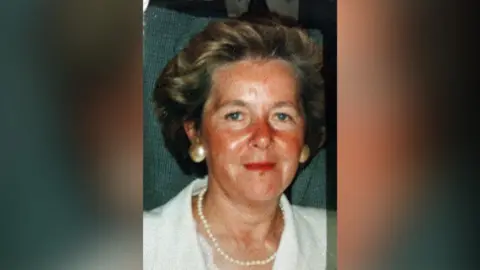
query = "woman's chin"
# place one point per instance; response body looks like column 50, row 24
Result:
column 264, row 190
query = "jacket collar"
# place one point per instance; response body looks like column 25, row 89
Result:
column 181, row 239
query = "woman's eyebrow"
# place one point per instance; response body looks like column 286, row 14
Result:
column 242, row 103
column 285, row 104
column 235, row 102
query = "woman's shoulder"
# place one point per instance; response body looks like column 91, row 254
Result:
column 169, row 210
column 317, row 232
column 154, row 218
column 152, row 222
column 159, row 225
column 309, row 214
column 316, row 220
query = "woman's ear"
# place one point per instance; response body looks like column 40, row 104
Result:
column 190, row 130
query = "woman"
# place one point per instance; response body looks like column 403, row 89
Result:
column 241, row 107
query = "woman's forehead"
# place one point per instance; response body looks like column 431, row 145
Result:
column 251, row 79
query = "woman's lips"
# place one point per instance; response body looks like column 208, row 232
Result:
column 259, row 166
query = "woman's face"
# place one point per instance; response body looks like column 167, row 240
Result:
column 253, row 128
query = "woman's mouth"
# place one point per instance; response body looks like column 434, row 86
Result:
column 259, row 166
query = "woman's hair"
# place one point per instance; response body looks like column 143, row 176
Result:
column 184, row 85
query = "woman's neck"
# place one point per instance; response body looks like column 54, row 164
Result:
column 245, row 221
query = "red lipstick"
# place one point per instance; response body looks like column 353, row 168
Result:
column 259, row 166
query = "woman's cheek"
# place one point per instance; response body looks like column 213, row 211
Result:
column 292, row 139
column 223, row 142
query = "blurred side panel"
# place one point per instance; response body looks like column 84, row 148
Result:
column 71, row 143
column 402, row 194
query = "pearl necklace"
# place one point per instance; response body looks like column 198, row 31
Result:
column 215, row 242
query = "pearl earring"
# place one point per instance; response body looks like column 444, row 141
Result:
column 197, row 151
column 305, row 154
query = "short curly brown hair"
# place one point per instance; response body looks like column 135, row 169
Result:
column 183, row 87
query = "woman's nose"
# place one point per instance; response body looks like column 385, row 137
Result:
column 262, row 136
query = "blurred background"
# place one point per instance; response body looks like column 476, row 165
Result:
column 72, row 142
column 72, row 136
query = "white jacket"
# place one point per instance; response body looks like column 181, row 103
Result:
column 170, row 236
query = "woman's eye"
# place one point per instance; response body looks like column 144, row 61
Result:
column 235, row 116
column 283, row 116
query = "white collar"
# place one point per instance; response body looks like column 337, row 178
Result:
column 171, row 242
column 287, row 254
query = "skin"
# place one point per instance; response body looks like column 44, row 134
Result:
column 253, row 114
